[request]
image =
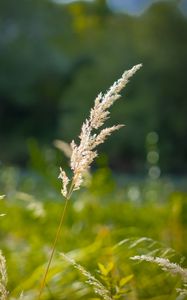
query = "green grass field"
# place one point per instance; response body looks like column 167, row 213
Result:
column 106, row 223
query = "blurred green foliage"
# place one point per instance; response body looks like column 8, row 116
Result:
column 56, row 58
column 106, row 223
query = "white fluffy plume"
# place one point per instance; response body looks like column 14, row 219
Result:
column 83, row 154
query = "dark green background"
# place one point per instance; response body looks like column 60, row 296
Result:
column 54, row 60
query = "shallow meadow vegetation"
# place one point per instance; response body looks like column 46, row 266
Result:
column 120, row 238
column 102, row 227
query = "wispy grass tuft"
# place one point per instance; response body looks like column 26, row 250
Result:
column 98, row 287
column 3, row 278
column 1, row 197
column 83, row 154
column 167, row 266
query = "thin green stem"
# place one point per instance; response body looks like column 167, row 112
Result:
column 43, row 283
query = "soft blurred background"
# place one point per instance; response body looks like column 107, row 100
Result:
column 55, row 57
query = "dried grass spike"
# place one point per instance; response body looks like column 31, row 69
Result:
column 3, row 278
column 65, row 181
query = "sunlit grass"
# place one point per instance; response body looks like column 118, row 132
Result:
column 99, row 217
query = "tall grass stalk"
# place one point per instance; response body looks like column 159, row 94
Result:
column 3, row 272
column 82, row 155
column 3, row 278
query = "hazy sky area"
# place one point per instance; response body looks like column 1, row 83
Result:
column 183, row 6
column 132, row 7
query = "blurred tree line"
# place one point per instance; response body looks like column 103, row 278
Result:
column 54, row 60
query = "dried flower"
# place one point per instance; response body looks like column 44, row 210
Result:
column 83, row 154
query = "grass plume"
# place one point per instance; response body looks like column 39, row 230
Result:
column 3, row 278
column 82, row 155
column 167, row 266
column 98, row 287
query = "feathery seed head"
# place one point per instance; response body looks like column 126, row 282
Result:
column 165, row 265
column 101, row 137
column 98, row 287
column 3, row 278
column 65, row 181
column 83, row 154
